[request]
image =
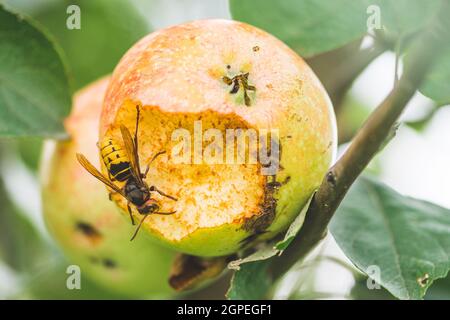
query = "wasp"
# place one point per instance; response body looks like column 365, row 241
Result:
column 238, row 81
column 123, row 166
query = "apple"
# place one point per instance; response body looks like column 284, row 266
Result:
column 86, row 225
column 247, row 129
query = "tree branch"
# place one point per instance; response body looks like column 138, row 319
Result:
column 363, row 148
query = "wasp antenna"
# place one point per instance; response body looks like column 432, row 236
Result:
column 153, row 188
column 165, row 213
column 138, row 227
column 247, row 99
column 138, row 115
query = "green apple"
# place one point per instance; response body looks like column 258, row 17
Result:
column 85, row 223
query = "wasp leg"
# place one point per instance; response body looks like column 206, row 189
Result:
column 164, row 213
column 153, row 188
column 251, row 88
column 142, row 220
column 138, row 227
column 110, row 194
column 247, row 99
column 150, row 162
column 131, row 214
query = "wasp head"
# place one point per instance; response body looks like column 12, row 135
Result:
column 150, row 206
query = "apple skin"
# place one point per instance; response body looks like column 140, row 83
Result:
column 82, row 220
column 180, row 70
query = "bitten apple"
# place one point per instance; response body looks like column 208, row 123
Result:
column 201, row 87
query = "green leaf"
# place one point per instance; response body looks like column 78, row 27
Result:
column 108, row 29
column 311, row 27
column 265, row 252
column 436, row 84
column 360, row 291
column 29, row 150
column 251, row 282
column 351, row 115
column 294, row 228
column 34, row 90
column 407, row 239
column 307, row 26
column 271, row 249
column 403, row 17
column 440, row 290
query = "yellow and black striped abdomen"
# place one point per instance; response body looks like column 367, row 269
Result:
column 116, row 160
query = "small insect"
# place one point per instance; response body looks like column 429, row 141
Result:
column 116, row 160
column 238, row 81
column 123, row 166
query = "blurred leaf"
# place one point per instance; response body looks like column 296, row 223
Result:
column 436, row 85
column 360, row 291
column 21, row 245
column 251, row 282
column 108, row 29
column 29, row 150
column 307, row 26
column 350, row 117
column 311, row 27
column 401, row 18
column 27, row 6
column 408, row 239
column 440, row 290
column 34, row 90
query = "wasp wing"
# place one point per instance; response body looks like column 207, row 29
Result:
column 131, row 151
column 92, row 170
